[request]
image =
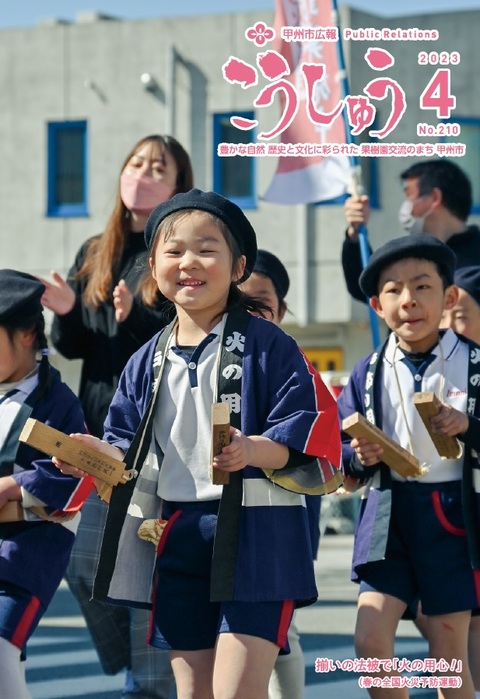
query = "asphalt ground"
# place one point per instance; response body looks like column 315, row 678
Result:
column 327, row 628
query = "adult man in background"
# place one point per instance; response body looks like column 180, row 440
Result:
column 438, row 201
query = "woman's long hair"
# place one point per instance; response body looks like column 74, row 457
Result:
column 106, row 250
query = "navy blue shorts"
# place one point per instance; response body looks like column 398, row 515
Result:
column 427, row 554
column 183, row 617
column 20, row 613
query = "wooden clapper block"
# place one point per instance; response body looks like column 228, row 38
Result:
column 220, row 439
column 395, row 456
column 54, row 443
column 11, row 512
column 428, row 405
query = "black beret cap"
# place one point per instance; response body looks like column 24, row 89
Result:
column 418, row 245
column 268, row 264
column 468, row 278
column 213, row 203
column 20, row 295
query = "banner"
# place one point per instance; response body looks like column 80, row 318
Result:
column 305, row 180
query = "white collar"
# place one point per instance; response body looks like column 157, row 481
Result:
column 449, row 341
column 25, row 385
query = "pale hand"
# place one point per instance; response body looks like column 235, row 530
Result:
column 90, row 441
column 449, row 421
column 367, row 452
column 122, row 301
column 255, row 450
column 9, row 490
column 236, row 455
column 58, row 296
column 357, row 213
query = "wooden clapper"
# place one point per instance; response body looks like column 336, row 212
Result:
column 109, row 471
column 428, row 405
column 220, row 439
column 395, row 456
column 104, row 468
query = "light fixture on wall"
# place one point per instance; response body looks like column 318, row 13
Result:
column 149, row 82
column 150, row 85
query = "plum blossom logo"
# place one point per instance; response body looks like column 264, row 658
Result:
column 260, row 34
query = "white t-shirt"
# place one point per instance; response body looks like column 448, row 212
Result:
column 182, row 422
column 451, row 362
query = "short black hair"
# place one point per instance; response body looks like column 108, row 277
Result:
column 449, row 178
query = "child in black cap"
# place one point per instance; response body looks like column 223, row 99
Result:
column 464, row 317
column 270, row 282
column 221, row 610
column 417, row 538
column 36, row 538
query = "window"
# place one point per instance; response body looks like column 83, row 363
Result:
column 234, row 177
column 470, row 162
column 67, row 169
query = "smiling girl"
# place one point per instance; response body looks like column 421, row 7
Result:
column 233, row 561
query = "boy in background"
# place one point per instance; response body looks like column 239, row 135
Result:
column 464, row 317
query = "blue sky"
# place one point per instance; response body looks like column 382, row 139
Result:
column 17, row 13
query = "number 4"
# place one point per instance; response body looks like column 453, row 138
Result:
column 437, row 94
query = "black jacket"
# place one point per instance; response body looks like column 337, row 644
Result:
column 95, row 336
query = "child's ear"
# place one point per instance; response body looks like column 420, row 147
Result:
column 377, row 306
column 240, row 268
column 451, row 297
column 27, row 337
column 281, row 313
column 152, row 266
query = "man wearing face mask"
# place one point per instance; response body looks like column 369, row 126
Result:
column 438, row 200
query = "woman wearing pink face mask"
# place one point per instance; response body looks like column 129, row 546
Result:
column 101, row 318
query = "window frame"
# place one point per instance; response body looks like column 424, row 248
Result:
column 247, row 202
column 68, row 210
